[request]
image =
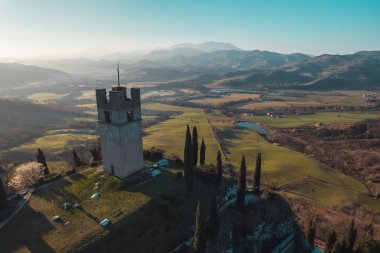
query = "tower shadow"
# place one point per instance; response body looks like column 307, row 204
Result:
column 21, row 233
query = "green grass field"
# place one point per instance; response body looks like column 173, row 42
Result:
column 170, row 134
column 83, row 223
column 53, row 143
column 281, row 166
column 87, row 95
column 80, row 227
column 286, row 169
column 46, row 97
column 56, row 141
column 298, row 175
column 323, row 117
column 314, row 99
column 224, row 99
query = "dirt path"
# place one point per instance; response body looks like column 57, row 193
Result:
column 230, row 169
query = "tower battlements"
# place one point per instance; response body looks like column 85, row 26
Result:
column 117, row 98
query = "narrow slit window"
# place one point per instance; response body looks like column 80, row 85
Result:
column 130, row 116
column 107, row 117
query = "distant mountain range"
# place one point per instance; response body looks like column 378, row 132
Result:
column 15, row 75
column 326, row 72
column 208, row 62
column 210, row 46
column 182, row 59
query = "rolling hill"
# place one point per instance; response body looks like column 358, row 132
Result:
column 209, row 46
column 16, row 75
column 173, row 63
column 325, row 72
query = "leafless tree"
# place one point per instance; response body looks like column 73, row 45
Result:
column 26, row 176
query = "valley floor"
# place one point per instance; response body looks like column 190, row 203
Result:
column 290, row 171
column 296, row 176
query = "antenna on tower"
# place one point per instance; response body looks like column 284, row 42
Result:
column 118, row 75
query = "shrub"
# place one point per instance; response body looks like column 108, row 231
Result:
column 153, row 153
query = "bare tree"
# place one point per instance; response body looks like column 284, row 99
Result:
column 27, row 176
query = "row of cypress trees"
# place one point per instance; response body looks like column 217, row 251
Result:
column 346, row 245
column 242, row 181
column 190, row 155
column 203, row 232
column 74, row 161
column 40, row 158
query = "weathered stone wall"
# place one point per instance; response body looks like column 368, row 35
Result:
column 121, row 138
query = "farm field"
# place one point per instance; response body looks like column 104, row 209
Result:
column 87, row 95
column 281, row 167
column 87, row 108
column 323, row 117
column 157, row 93
column 170, row 134
column 315, row 99
column 53, row 143
column 288, row 169
column 228, row 98
column 43, row 98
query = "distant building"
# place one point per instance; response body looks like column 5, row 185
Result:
column 120, row 130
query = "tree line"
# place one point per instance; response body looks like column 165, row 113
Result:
column 346, row 244
column 31, row 174
column 202, row 231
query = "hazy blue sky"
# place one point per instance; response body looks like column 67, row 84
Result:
column 60, row 27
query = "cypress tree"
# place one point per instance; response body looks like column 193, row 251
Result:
column 213, row 226
column 40, row 157
column 195, row 146
column 96, row 152
column 3, row 195
column 202, row 155
column 219, row 170
column 310, row 233
column 368, row 245
column 369, row 231
column 330, row 241
column 257, row 174
column 199, row 243
column 351, row 236
column 188, row 161
column 75, row 160
column 240, row 197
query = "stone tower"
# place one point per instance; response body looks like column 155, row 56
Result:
column 120, row 130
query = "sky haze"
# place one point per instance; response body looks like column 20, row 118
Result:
column 92, row 27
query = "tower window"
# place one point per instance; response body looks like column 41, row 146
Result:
column 107, row 117
column 129, row 115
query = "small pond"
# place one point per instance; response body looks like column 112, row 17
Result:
column 253, row 126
